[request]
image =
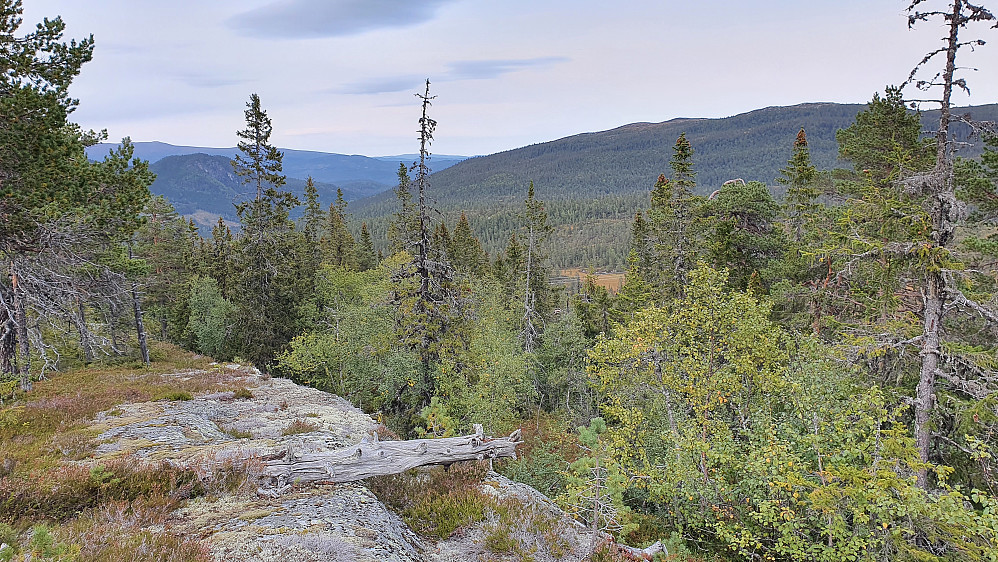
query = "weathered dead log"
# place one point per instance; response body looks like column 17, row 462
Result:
column 644, row 553
column 380, row 458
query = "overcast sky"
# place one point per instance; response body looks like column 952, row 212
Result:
column 339, row 75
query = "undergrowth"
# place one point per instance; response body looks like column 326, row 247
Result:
column 58, row 504
column 438, row 503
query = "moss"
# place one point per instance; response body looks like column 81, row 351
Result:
column 255, row 514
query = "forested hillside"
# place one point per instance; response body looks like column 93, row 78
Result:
column 322, row 166
column 805, row 378
column 595, row 182
column 205, row 187
column 201, row 185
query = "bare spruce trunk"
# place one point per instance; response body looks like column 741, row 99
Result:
column 139, row 327
column 942, row 197
column 925, row 393
column 21, row 323
column 88, row 355
column 7, row 342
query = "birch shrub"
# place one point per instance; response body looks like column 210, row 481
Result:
column 755, row 443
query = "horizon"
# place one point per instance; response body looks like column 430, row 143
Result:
column 468, row 156
column 339, row 75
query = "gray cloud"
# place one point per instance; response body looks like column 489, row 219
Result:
column 484, row 69
column 297, row 19
column 460, row 70
column 382, row 85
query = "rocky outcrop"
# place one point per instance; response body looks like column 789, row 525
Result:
column 263, row 416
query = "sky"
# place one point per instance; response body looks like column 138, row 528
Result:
column 341, row 75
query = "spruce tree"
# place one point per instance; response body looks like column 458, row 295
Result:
column 338, row 244
column 466, row 251
column 366, row 258
column 424, row 294
column 799, row 176
column 672, row 222
column 536, row 291
column 258, row 162
column 268, row 285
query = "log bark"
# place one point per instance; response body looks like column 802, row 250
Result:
column 381, row 458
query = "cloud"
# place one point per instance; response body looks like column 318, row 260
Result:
column 382, row 85
column 460, row 70
column 484, row 69
column 297, row 19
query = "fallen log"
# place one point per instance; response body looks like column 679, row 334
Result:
column 380, row 458
column 644, row 553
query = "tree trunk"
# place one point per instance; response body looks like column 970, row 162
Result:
column 139, row 328
column 88, row 355
column 942, row 197
column 8, row 343
column 381, row 458
column 21, row 323
column 925, row 392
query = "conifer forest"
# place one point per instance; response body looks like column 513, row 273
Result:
column 802, row 371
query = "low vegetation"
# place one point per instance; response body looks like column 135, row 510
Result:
column 57, row 504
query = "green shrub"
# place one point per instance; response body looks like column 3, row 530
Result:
column 242, row 393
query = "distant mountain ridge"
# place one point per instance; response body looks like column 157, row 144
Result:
column 200, row 183
column 322, row 166
column 205, row 187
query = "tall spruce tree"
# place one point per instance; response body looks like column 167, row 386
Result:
column 799, row 175
column 536, row 289
column 267, row 281
column 671, row 224
column 258, row 162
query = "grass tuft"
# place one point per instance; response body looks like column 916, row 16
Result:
column 242, row 393
column 299, row 426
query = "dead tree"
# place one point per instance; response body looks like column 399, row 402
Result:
column 380, row 458
column 944, row 209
